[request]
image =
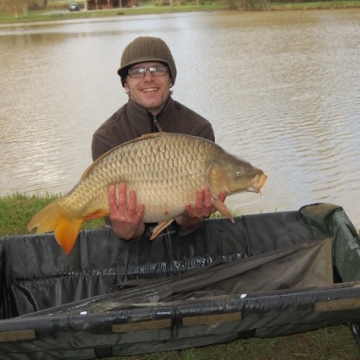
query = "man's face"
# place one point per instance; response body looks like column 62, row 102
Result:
column 150, row 92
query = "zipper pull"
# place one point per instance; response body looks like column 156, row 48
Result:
column 156, row 123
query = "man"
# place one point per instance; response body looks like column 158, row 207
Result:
column 148, row 72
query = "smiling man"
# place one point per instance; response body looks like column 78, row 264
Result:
column 152, row 91
column 148, row 72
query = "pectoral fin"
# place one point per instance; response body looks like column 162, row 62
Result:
column 160, row 227
column 222, row 208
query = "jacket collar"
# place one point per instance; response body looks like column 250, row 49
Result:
column 142, row 118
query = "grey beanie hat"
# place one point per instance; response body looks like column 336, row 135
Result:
column 146, row 49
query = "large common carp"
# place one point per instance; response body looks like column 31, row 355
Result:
column 165, row 169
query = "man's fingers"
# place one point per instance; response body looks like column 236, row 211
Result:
column 199, row 203
column 140, row 213
column 222, row 196
column 112, row 199
column 132, row 202
column 207, row 198
column 122, row 196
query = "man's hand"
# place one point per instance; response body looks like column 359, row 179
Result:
column 126, row 218
column 203, row 208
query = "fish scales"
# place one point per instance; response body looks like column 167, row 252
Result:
column 165, row 169
column 175, row 179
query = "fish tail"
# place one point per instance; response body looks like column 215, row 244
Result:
column 52, row 219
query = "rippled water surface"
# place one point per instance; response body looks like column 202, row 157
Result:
column 282, row 90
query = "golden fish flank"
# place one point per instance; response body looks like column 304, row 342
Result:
column 165, row 169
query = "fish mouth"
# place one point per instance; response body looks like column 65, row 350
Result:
column 257, row 184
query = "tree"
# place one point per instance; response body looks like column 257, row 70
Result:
column 17, row 7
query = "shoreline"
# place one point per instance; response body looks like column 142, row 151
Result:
column 111, row 15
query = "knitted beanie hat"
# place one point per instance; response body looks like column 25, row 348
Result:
column 146, row 49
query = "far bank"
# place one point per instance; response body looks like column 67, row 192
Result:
column 54, row 13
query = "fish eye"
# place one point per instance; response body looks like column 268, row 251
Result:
column 238, row 172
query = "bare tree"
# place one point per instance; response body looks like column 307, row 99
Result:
column 25, row 8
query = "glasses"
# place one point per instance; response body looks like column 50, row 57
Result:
column 154, row 71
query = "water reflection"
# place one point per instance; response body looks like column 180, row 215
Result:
column 281, row 90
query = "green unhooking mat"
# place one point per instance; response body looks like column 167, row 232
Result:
column 266, row 275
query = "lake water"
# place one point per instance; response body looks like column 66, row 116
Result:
column 282, row 90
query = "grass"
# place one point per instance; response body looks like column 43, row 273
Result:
column 17, row 210
column 315, row 5
column 151, row 7
column 328, row 343
column 333, row 343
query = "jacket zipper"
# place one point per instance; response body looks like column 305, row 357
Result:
column 157, row 125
